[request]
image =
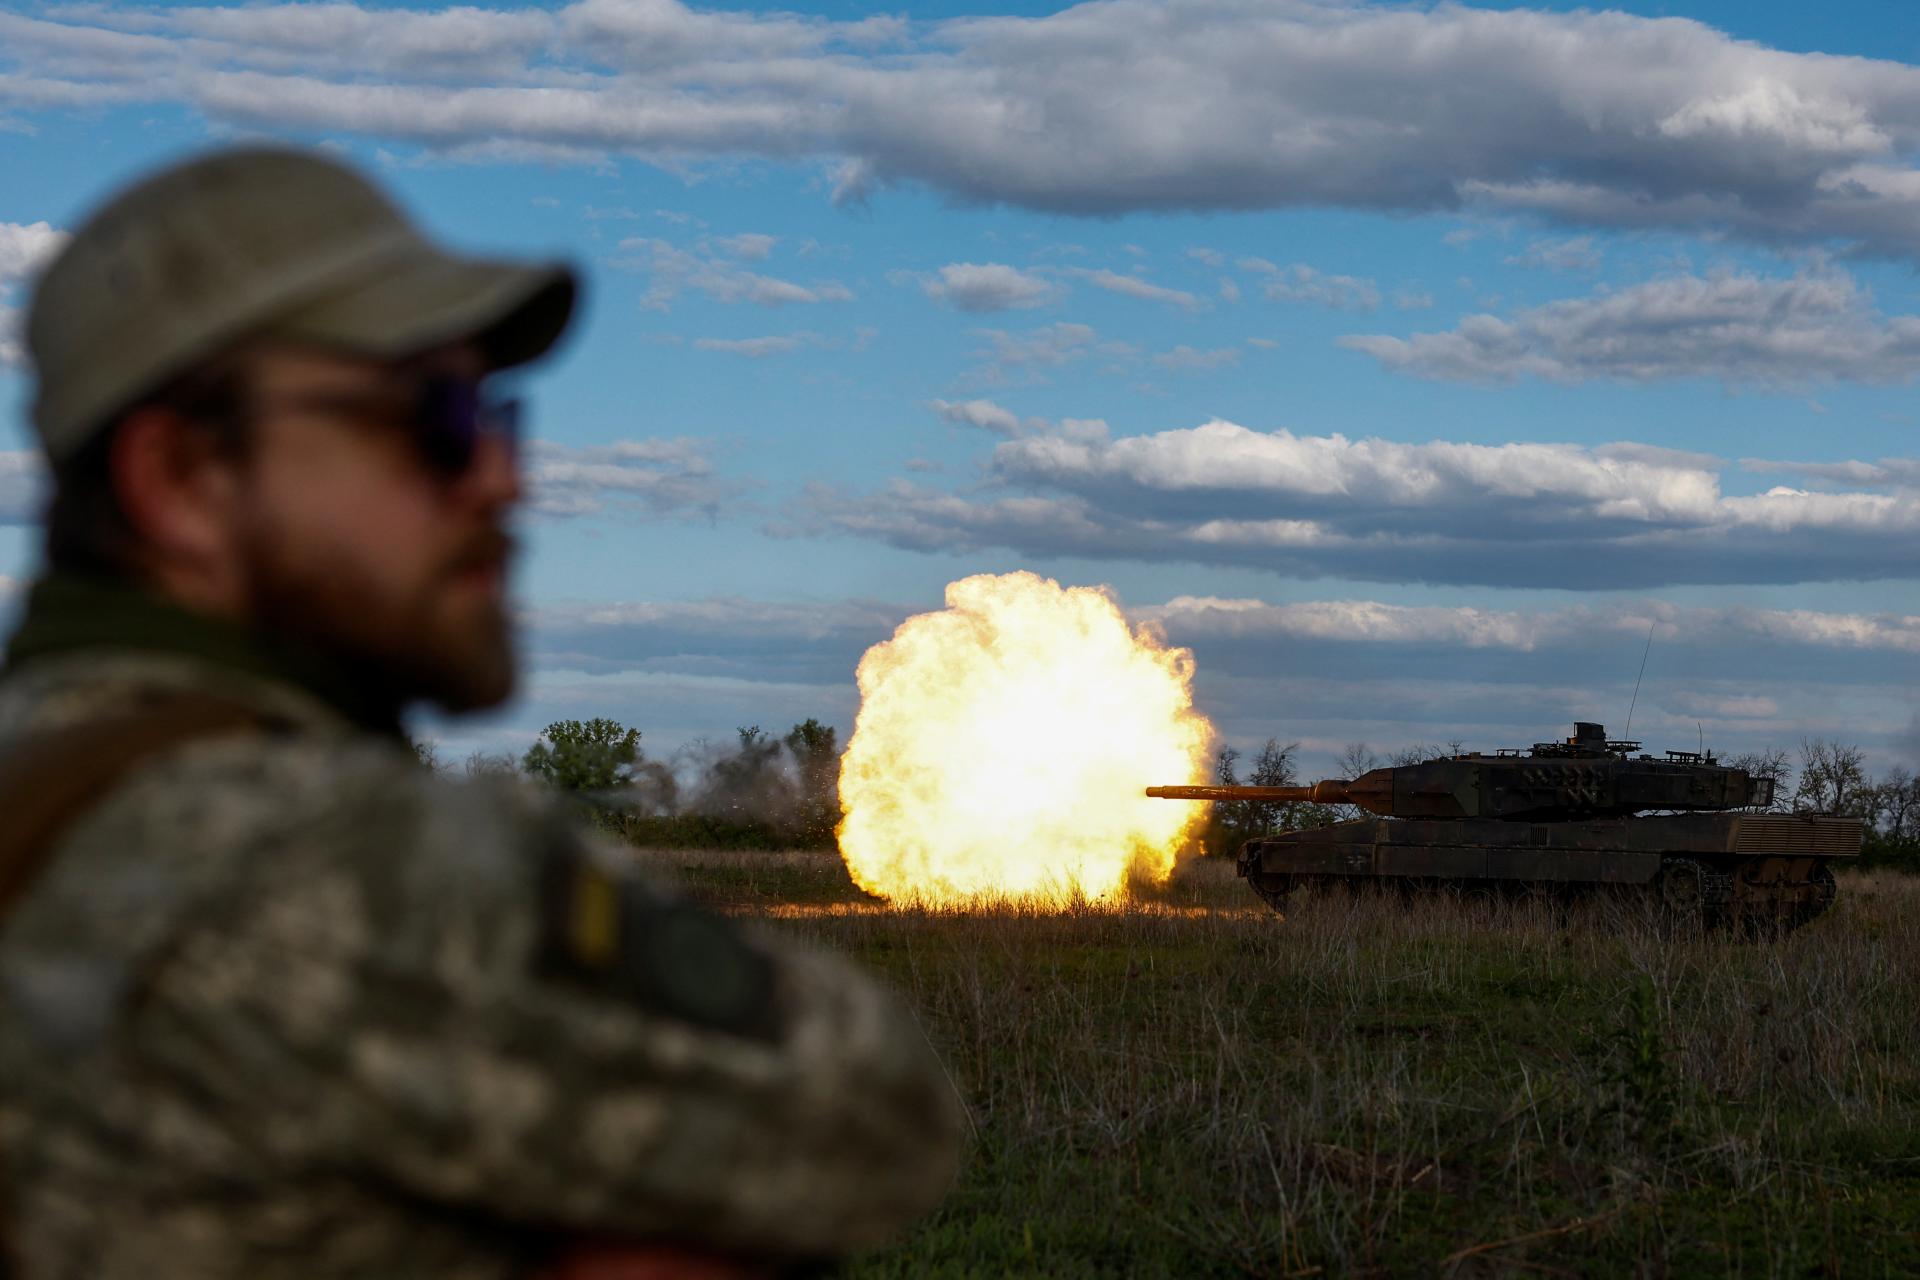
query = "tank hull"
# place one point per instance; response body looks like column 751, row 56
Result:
column 1733, row 865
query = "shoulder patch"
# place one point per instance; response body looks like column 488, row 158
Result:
column 632, row 940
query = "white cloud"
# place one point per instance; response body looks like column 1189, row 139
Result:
column 750, row 246
column 1739, row 328
column 1134, row 287
column 988, row 286
column 1519, row 515
column 1221, row 458
column 984, row 414
column 761, row 640
column 12, row 352
column 1576, row 253
column 1587, row 118
column 24, row 248
column 1189, row 359
column 727, row 624
column 22, row 486
column 1302, row 283
column 757, row 348
column 662, row 34
column 1049, row 345
column 1723, row 706
column 1194, row 619
column 346, row 37
column 671, row 270
column 651, row 479
column 1887, row 473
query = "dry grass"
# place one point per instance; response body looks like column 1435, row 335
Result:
column 1194, row 1085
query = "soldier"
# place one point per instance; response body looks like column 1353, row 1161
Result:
column 275, row 1001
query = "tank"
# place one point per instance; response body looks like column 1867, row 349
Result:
column 1683, row 831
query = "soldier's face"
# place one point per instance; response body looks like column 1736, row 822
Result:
column 352, row 539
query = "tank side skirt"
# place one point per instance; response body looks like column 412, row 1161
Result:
column 1608, row 851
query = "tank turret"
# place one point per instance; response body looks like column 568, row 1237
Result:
column 1583, row 777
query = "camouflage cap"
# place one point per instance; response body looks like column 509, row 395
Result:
column 259, row 242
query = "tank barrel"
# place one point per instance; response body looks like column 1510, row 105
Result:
column 1330, row 791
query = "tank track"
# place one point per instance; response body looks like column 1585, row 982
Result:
column 1689, row 894
column 1271, row 889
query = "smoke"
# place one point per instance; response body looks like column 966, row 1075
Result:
column 752, row 781
column 655, row 789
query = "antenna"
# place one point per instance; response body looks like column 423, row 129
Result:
column 1637, row 679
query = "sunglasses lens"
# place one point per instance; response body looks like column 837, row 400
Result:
column 453, row 416
column 448, row 425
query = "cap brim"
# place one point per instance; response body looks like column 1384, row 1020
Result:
column 426, row 299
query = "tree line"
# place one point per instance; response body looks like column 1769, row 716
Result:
column 758, row 792
column 1832, row 777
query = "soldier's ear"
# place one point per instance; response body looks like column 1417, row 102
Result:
column 177, row 488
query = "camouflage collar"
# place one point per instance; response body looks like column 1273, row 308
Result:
column 66, row 614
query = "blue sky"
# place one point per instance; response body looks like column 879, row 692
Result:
column 1406, row 361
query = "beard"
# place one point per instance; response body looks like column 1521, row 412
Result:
column 434, row 642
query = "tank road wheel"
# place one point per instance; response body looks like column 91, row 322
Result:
column 1780, row 895
column 1821, row 890
column 1273, row 888
column 1691, row 895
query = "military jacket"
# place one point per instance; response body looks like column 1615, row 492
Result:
column 289, row 1004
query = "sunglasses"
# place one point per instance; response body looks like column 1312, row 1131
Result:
column 444, row 418
column 453, row 415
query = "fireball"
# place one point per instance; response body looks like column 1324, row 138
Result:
column 1003, row 746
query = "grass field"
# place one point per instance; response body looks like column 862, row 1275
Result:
column 1196, row 1086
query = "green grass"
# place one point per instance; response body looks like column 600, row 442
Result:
column 1197, row 1086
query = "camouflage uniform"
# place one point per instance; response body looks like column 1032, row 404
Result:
column 287, row 1004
